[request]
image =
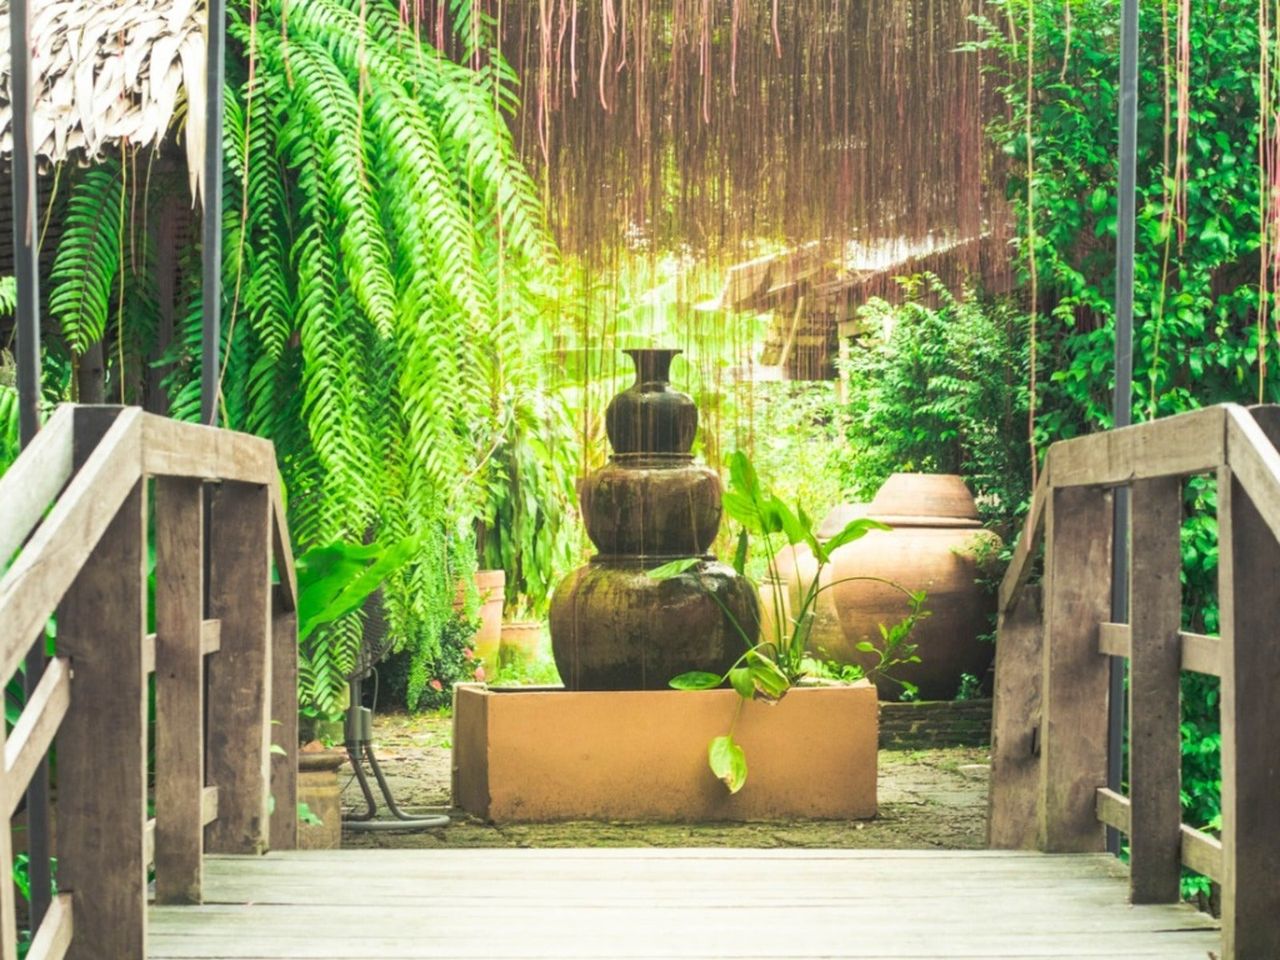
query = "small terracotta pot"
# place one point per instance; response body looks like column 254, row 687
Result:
column 319, row 789
column 521, row 642
column 491, row 585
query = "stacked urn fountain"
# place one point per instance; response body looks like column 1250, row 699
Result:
column 613, row 626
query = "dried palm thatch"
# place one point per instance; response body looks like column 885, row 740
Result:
column 110, row 73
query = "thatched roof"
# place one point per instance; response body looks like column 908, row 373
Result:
column 111, row 72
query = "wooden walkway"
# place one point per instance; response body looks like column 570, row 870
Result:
column 562, row 904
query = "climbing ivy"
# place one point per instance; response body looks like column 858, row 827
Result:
column 1196, row 330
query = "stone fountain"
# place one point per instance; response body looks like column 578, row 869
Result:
column 614, row 627
column 617, row 743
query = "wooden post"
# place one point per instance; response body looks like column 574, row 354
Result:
column 8, row 913
column 1155, row 740
column 102, row 743
column 284, row 709
column 179, row 533
column 239, row 733
column 1248, row 567
column 1015, row 726
column 1073, row 741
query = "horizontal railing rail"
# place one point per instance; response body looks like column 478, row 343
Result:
column 81, row 505
column 1056, row 639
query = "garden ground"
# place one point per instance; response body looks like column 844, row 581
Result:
column 928, row 799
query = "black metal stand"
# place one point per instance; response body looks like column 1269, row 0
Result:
column 359, row 743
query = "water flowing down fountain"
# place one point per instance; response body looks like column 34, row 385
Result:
column 613, row 627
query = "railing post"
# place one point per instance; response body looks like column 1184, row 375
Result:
column 1155, row 739
column 102, row 744
column 1073, row 730
column 284, row 709
column 239, row 734
column 179, row 526
column 8, row 912
column 1015, row 725
column 1248, row 565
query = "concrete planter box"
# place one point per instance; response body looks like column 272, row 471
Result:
column 642, row 755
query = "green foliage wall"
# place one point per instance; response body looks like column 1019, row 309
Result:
column 939, row 385
column 384, row 265
column 1197, row 333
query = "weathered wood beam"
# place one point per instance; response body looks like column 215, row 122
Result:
column 1073, row 742
column 180, row 686
column 34, row 732
column 53, row 940
column 174, row 448
column 1200, row 653
column 1155, row 705
column 1014, row 794
column 238, row 739
column 1024, row 553
column 1187, row 444
column 1248, row 570
column 45, row 569
column 33, row 480
column 102, row 743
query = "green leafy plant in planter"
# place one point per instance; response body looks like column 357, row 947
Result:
column 771, row 665
column 334, row 581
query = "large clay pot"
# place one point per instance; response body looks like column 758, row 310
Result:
column 935, row 545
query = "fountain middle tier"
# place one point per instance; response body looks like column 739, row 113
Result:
column 652, row 506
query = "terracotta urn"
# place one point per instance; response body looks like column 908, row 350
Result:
column 491, row 585
column 614, row 627
column 936, row 545
column 319, row 788
column 521, row 642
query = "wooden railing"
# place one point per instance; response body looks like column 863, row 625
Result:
column 224, row 653
column 1049, row 745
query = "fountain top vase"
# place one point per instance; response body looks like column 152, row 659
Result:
column 651, row 418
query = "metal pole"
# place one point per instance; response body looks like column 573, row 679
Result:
column 1122, row 401
column 211, row 265
column 26, row 269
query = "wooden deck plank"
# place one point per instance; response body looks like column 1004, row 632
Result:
column 634, row 904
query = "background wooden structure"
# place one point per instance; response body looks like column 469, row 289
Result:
column 76, row 512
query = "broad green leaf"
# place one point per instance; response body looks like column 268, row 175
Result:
column 767, row 677
column 728, row 762
column 740, row 680
column 866, row 646
column 742, row 475
column 855, row 530
column 741, row 508
column 696, row 680
column 792, row 525
column 740, row 554
column 336, row 579
column 669, row 571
